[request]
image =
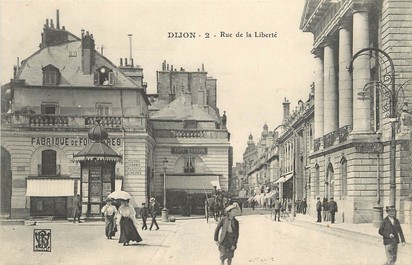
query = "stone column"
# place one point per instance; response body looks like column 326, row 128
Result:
column 330, row 88
column 361, row 73
column 318, row 93
column 345, row 79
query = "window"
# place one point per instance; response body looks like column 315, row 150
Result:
column 48, row 162
column 190, row 124
column 50, row 108
column 344, row 165
column 104, row 77
column 317, row 192
column 104, row 109
column 189, row 165
column 51, row 75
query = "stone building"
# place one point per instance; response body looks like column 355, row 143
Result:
column 56, row 95
column 350, row 156
column 190, row 134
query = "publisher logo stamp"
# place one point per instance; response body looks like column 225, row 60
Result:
column 42, row 240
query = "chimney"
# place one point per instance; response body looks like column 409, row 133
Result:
column 57, row 19
column 130, row 41
column 102, row 49
column 51, row 23
column 203, row 67
column 47, row 23
column 171, row 67
column 188, row 98
column 121, row 62
column 125, row 62
column 285, row 104
column 88, row 47
column 167, row 67
column 164, row 66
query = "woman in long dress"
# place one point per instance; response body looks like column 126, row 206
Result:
column 126, row 220
column 109, row 212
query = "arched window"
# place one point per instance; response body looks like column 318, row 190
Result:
column 48, row 163
column 330, row 182
column 189, row 164
column 344, row 188
column 317, row 185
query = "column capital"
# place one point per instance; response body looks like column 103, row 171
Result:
column 345, row 23
column 361, row 6
column 329, row 41
column 318, row 52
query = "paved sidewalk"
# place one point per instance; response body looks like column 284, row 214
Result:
column 367, row 229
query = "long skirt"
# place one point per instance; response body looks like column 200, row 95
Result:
column 128, row 231
column 110, row 225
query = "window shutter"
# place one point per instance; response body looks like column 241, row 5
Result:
column 39, row 171
column 111, row 78
column 96, row 78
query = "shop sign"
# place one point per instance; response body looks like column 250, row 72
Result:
column 189, row 150
column 66, row 141
column 133, row 167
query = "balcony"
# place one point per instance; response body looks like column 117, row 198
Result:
column 208, row 134
column 67, row 122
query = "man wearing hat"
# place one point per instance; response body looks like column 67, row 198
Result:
column 227, row 241
column 333, row 208
column 143, row 214
column 390, row 229
column 154, row 211
column 319, row 210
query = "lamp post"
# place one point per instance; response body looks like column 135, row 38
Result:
column 392, row 94
column 165, row 211
column 294, row 164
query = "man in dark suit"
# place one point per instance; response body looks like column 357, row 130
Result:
column 276, row 206
column 143, row 214
column 333, row 208
column 227, row 241
column 390, row 229
column 154, row 211
column 319, row 210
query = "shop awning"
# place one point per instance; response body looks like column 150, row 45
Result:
column 51, row 187
column 201, row 183
column 270, row 194
column 284, row 178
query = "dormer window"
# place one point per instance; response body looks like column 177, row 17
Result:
column 51, row 75
column 104, row 76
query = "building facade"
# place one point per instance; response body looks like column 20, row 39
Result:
column 56, row 95
column 351, row 155
column 65, row 88
column 190, row 134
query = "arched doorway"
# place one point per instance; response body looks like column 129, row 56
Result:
column 6, row 183
column 330, row 182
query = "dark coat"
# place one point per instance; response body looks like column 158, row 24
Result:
column 143, row 212
column 154, row 209
column 318, row 206
column 333, row 207
column 386, row 228
column 224, row 225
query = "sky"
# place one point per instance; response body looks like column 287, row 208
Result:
column 254, row 75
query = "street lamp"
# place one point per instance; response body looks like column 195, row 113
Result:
column 387, row 85
column 294, row 164
column 165, row 211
